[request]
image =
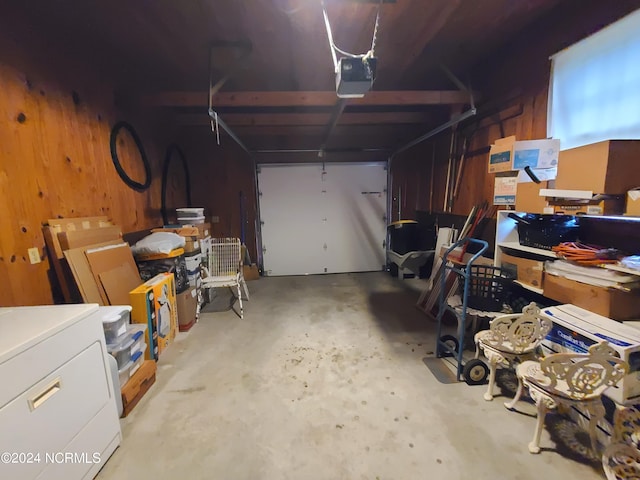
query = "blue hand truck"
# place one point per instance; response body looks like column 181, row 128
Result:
column 474, row 371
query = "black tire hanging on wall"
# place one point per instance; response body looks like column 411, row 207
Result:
column 140, row 187
column 165, row 174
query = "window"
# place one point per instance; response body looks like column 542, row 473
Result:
column 594, row 92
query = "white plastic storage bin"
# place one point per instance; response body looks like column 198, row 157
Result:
column 138, row 332
column 136, row 362
column 124, row 373
column 121, row 350
column 190, row 220
column 114, row 321
column 190, row 212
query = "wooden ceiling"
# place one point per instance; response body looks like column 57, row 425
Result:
column 281, row 90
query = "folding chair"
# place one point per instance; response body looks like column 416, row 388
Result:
column 224, row 268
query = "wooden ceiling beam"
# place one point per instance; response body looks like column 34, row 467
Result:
column 300, row 119
column 304, row 99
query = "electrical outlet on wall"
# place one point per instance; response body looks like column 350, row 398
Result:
column 34, row 255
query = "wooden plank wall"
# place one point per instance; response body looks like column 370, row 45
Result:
column 514, row 78
column 56, row 116
column 218, row 174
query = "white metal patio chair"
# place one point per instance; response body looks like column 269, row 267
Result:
column 621, row 459
column 224, row 268
column 512, row 339
column 570, row 379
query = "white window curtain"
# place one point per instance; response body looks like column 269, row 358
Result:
column 594, row 92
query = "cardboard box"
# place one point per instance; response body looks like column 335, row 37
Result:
column 613, row 206
column 536, row 153
column 526, row 270
column 182, row 231
column 91, row 236
column 608, row 302
column 528, row 197
column 192, row 245
column 250, row 272
column 187, row 308
column 505, row 189
column 603, row 167
column 633, row 203
column 576, row 329
column 137, row 386
column 501, row 155
column 154, row 303
column 204, row 229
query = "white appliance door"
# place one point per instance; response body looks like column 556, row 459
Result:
column 317, row 220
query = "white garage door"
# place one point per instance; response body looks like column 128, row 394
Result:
column 316, row 220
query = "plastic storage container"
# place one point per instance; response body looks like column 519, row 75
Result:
column 121, row 350
column 124, row 373
column 136, row 362
column 190, row 212
column 114, row 321
column 138, row 332
column 191, row 220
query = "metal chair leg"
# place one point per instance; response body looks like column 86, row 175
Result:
column 534, row 446
column 244, row 286
column 511, row 405
column 240, row 301
column 488, row 396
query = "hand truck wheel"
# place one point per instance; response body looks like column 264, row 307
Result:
column 475, row 372
column 451, row 342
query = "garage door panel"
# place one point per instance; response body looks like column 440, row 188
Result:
column 356, row 224
column 292, row 209
column 323, row 221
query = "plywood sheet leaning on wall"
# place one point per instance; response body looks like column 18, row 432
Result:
column 112, row 261
column 82, row 274
column 60, row 226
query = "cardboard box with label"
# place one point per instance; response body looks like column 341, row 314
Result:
column 576, row 329
column 505, row 189
column 526, row 270
column 501, row 155
column 536, row 153
column 610, row 302
column 154, row 303
column 609, row 206
column 603, row 167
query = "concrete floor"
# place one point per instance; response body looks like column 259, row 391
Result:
column 324, row 378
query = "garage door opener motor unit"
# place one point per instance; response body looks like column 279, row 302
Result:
column 354, row 73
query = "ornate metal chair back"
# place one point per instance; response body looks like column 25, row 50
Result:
column 584, row 376
column 520, row 333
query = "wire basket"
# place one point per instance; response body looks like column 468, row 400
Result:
column 488, row 287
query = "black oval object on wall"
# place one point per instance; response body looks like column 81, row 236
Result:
column 116, row 162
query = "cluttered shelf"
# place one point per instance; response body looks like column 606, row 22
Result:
column 531, row 288
column 524, row 248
